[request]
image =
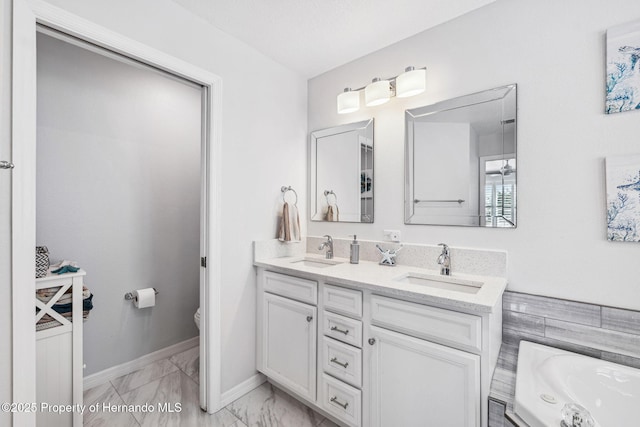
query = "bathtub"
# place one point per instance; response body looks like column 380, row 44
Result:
column 548, row 378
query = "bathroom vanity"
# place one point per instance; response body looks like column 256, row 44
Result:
column 371, row 345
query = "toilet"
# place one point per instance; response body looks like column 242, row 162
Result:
column 196, row 318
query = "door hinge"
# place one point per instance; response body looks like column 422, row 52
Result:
column 203, row 261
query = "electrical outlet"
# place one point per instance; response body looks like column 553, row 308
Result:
column 392, row 235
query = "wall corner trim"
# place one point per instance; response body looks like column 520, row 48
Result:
column 243, row 388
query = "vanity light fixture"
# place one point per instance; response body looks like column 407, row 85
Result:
column 348, row 101
column 412, row 82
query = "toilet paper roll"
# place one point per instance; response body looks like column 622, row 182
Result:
column 143, row 298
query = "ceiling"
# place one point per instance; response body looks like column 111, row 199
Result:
column 315, row 36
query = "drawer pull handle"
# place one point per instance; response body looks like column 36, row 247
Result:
column 309, row 318
column 344, row 331
column 337, row 362
column 334, row 399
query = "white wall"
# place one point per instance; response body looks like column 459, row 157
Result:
column 263, row 145
column 555, row 52
column 5, row 208
column 118, row 191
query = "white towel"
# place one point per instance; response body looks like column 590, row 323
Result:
column 333, row 215
column 63, row 263
column 289, row 224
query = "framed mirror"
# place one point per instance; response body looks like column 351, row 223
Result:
column 341, row 168
column 460, row 161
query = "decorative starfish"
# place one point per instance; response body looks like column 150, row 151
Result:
column 66, row 269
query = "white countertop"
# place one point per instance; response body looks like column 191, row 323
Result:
column 371, row 275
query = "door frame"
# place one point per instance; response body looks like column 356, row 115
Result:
column 26, row 15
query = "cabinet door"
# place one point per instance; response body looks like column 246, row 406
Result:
column 289, row 343
column 415, row 383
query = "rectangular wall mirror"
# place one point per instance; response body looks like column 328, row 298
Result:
column 460, row 161
column 341, row 168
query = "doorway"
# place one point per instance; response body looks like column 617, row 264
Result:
column 26, row 16
column 118, row 192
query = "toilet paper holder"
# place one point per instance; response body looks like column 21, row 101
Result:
column 129, row 295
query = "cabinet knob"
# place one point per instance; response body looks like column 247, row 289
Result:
column 309, row 318
column 372, row 341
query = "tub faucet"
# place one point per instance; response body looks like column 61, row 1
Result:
column 329, row 245
column 444, row 260
column 574, row 415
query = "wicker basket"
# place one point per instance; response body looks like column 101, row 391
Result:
column 42, row 261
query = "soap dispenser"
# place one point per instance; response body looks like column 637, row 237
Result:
column 355, row 251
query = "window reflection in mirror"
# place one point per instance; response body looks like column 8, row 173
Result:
column 499, row 188
column 341, row 169
column 460, row 161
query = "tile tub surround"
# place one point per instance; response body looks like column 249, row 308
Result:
column 607, row 333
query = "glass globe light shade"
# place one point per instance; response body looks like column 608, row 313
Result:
column 411, row 82
column 377, row 92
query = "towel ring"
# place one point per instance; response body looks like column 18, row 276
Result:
column 284, row 191
column 326, row 194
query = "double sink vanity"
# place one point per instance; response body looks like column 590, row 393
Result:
column 399, row 344
column 374, row 345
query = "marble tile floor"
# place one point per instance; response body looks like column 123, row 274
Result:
column 175, row 381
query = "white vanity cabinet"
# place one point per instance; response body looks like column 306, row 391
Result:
column 424, row 365
column 377, row 359
column 414, row 382
column 287, row 339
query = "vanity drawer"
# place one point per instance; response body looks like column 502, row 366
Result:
column 291, row 287
column 343, row 328
column 342, row 300
column 342, row 361
column 460, row 330
column 341, row 400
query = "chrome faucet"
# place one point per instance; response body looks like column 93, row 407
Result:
column 329, row 245
column 444, row 260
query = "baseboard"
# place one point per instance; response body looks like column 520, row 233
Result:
column 242, row 389
column 109, row 374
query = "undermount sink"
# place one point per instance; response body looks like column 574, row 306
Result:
column 441, row 282
column 316, row 262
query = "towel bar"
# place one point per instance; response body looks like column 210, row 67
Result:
column 444, row 201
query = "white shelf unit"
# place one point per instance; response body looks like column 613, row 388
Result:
column 59, row 359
